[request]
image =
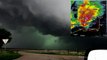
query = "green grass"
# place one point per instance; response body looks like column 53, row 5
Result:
column 62, row 53
column 8, row 55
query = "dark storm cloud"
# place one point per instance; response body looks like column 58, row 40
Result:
column 16, row 15
column 52, row 16
column 12, row 13
column 28, row 37
column 41, row 23
column 48, row 18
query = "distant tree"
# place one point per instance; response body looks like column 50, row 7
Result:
column 4, row 34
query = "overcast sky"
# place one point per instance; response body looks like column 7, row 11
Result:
column 41, row 24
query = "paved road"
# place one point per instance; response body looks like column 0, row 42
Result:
column 32, row 56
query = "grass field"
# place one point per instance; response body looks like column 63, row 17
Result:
column 56, row 52
column 72, row 53
column 8, row 55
